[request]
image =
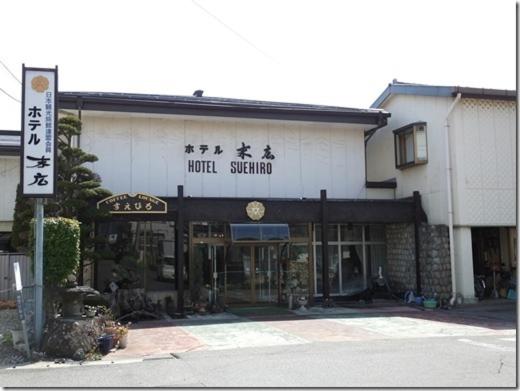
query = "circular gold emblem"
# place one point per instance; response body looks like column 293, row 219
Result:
column 255, row 210
column 39, row 83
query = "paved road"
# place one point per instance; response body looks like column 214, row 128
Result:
column 338, row 347
column 484, row 361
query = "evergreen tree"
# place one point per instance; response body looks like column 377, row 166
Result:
column 23, row 214
column 78, row 187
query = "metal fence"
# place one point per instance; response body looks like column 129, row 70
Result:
column 7, row 291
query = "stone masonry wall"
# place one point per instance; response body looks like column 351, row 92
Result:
column 400, row 256
column 434, row 259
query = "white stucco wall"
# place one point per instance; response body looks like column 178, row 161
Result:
column 428, row 179
column 9, row 178
column 140, row 153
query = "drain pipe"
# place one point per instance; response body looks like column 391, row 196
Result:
column 449, row 195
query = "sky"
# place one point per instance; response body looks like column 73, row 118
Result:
column 341, row 53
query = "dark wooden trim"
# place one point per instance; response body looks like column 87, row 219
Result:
column 22, row 130
column 179, row 247
column 324, row 246
column 233, row 210
column 10, row 133
column 404, row 128
column 291, row 211
column 417, row 223
column 9, row 150
column 222, row 110
column 389, row 184
column 485, row 93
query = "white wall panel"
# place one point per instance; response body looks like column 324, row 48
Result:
column 484, row 179
column 9, row 179
column 285, row 140
column 147, row 154
column 141, row 154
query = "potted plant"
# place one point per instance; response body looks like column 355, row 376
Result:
column 111, row 329
column 122, row 336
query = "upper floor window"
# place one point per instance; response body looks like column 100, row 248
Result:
column 410, row 145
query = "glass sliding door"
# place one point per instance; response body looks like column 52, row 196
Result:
column 206, row 272
column 239, row 275
column 266, row 274
column 252, row 274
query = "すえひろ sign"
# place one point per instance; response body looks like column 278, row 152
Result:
column 133, row 203
column 39, row 117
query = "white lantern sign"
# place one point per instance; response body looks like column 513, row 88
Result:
column 39, row 118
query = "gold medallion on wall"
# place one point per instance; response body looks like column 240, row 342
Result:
column 255, row 210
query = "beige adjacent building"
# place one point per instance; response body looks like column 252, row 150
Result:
column 412, row 151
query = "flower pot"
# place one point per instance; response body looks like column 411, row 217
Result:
column 123, row 341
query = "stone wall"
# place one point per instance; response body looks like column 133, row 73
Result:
column 434, row 259
column 400, row 257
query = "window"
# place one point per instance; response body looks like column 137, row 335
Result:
column 356, row 254
column 410, row 145
column 263, row 232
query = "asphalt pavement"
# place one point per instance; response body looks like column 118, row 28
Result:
column 472, row 346
column 428, row 362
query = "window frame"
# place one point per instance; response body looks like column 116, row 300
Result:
column 364, row 241
column 399, row 136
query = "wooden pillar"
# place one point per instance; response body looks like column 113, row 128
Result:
column 417, row 223
column 179, row 249
column 324, row 247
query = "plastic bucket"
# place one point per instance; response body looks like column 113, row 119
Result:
column 105, row 343
column 430, row 304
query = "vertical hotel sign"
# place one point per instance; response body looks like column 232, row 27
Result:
column 39, row 118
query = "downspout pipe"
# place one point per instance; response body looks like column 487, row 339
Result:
column 449, row 196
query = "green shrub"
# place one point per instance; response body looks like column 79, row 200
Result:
column 61, row 251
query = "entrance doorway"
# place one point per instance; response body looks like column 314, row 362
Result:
column 252, row 274
column 207, row 272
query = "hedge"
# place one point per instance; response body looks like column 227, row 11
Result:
column 61, row 250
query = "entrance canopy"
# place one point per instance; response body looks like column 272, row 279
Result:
column 259, row 232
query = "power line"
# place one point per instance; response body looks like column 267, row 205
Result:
column 9, row 95
column 233, row 31
column 11, row 73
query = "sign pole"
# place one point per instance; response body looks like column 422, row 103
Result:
column 38, row 273
column 38, row 162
